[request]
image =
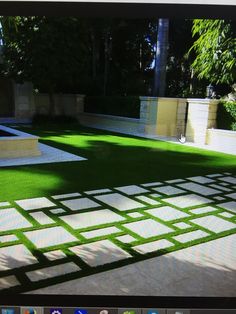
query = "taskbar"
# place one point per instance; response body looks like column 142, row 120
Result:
column 93, row 310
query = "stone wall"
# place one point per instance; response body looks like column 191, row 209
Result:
column 28, row 103
column 222, row 139
column 111, row 123
column 201, row 116
column 24, row 100
column 163, row 116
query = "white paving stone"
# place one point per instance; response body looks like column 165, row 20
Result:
column 62, row 196
column 135, row 215
column 55, row 255
column 219, row 187
column 228, row 173
column 219, row 198
column 148, row 228
column 228, row 179
column 100, row 253
column 175, row 181
column 200, row 189
column 147, row 200
column 15, row 256
column 50, row 237
column 224, row 184
column 8, row 282
column 214, row 175
column 57, row 211
column 153, row 246
column 169, row 190
column 167, row 213
column 214, row 224
column 80, row 203
column 226, row 215
column 100, row 232
column 11, row 219
column 200, row 179
column 229, row 206
column 53, row 271
column 191, row 236
column 189, row 200
column 119, row 201
column 182, row 225
column 156, row 195
column 49, row 155
column 89, row 219
column 2, row 204
column 100, row 191
column 126, row 239
column 231, row 195
column 203, row 210
column 42, row 218
column 8, row 238
column 147, row 185
column 131, row 189
column 35, row 203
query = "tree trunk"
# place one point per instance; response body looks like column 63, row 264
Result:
column 94, row 55
column 107, row 57
column 161, row 58
column 105, row 65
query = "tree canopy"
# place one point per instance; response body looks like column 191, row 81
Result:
column 116, row 56
column 215, row 50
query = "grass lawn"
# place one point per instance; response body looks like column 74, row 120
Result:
column 113, row 160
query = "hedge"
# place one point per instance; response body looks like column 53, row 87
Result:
column 226, row 115
column 124, row 106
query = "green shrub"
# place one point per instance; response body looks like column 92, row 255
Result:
column 124, row 106
column 226, row 115
column 47, row 119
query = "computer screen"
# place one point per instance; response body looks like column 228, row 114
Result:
column 117, row 155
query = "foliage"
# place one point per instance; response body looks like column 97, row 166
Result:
column 226, row 115
column 215, row 50
column 46, row 51
column 114, row 105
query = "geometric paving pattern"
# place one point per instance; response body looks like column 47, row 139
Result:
column 78, row 233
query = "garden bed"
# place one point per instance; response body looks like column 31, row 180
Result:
column 14, row 144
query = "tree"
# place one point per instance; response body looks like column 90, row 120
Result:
column 161, row 58
column 49, row 52
column 215, row 50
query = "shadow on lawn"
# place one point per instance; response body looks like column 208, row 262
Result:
column 109, row 164
column 174, row 274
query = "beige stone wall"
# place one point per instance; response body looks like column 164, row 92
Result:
column 24, row 100
column 111, row 123
column 28, row 103
column 20, row 145
column 148, row 114
column 201, row 116
column 13, row 148
column 163, row 116
column 66, row 104
column 222, row 139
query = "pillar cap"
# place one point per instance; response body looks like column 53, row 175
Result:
column 203, row 100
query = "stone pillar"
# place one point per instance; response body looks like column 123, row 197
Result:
column 24, row 100
column 79, row 104
column 148, row 114
column 201, row 116
column 181, row 116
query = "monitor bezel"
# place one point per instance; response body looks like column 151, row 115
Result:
column 116, row 10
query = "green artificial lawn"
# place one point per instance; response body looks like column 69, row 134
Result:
column 113, row 160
